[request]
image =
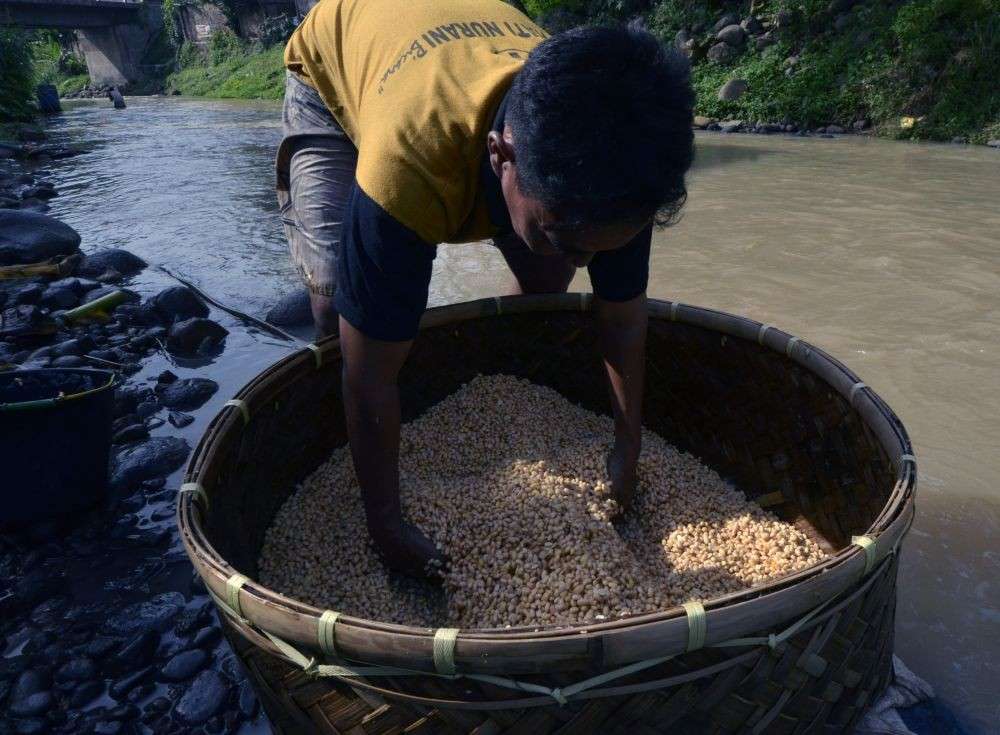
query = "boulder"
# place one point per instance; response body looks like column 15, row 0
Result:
column 191, row 335
column 130, row 434
column 203, row 699
column 154, row 457
column 30, row 237
column 33, row 705
column 155, row 614
column 177, row 303
column 179, row 420
column 733, row 90
column 721, row 53
column 59, row 297
column 68, row 361
column 734, row 35
column 681, row 38
column 701, row 122
column 48, row 100
column 835, row 129
column 731, row 126
column 184, row 665
column 726, row 20
column 995, row 143
column 292, row 310
column 123, row 262
column 752, row 26
column 767, row 39
column 187, row 394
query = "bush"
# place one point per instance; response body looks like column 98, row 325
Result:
column 223, row 46
column 17, row 76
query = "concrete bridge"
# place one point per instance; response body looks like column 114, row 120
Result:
column 112, row 33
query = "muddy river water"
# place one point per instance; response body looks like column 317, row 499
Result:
column 885, row 254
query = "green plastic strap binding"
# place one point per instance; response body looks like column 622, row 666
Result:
column 696, row 624
column 868, row 544
column 674, row 306
column 790, row 345
column 908, row 458
column 317, row 353
column 763, row 330
column 444, row 650
column 327, row 634
column 242, row 406
column 199, row 493
column 233, row 585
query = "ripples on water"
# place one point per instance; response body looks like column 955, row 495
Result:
column 885, row 254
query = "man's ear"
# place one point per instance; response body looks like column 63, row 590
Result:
column 500, row 151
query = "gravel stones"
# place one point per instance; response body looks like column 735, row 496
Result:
column 526, row 521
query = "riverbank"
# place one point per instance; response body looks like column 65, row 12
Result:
column 106, row 630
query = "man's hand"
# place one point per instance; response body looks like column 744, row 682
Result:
column 407, row 549
column 621, row 465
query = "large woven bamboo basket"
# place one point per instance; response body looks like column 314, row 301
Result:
column 788, row 424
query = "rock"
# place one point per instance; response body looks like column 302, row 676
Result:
column 292, row 310
column 155, row 614
column 207, row 637
column 681, row 38
column 247, row 700
column 75, row 346
column 188, row 394
column 762, row 42
column 29, row 237
column 27, row 294
column 30, row 726
column 137, row 652
column 835, row 129
column 785, row 19
column 203, row 699
column 145, row 409
column 32, row 705
column 85, row 693
column 721, row 53
column 190, row 336
column 860, row 125
column 752, row 26
column 166, row 377
column 68, row 361
column 733, row 35
column 109, row 276
column 48, row 99
column 123, row 686
column 133, row 433
column 730, row 126
column 29, row 682
column 995, row 143
column 726, row 20
column 184, row 665
column 701, row 122
column 107, row 727
column 177, row 303
column 58, row 297
column 76, row 670
column 733, row 90
column 122, row 261
column 154, row 457
column 179, row 420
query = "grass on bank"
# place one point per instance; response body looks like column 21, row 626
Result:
column 17, row 78
column 934, row 60
column 229, row 69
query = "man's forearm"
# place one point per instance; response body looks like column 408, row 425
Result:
column 622, row 328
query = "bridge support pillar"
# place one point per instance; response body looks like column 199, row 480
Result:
column 112, row 54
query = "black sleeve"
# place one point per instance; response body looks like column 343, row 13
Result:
column 622, row 274
column 383, row 272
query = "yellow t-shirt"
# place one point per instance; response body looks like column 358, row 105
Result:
column 415, row 85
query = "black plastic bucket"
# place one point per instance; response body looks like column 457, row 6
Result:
column 55, row 436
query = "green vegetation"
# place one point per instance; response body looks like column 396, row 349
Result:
column 229, row 68
column 17, row 79
column 935, row 61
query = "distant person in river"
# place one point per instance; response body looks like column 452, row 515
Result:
column 116, row 97
column 411, row 124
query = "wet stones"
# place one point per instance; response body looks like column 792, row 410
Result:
column 122, row 262
column 155, row 614
column 157, row 456
column 187, row 394
column 184, row 665
column 176, row 304
column 76, row 670
column 204, row 699
column 292, row 310
column 30, row 237
column 195, row 336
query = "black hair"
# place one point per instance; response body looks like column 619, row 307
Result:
column 601, row 123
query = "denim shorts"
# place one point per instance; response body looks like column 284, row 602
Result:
column 315, row 173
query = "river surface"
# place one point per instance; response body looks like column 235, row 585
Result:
column 885, row 254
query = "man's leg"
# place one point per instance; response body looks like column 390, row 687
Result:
column 534, row 273
column 321, row 174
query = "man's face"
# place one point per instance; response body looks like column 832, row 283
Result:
column 540, row 227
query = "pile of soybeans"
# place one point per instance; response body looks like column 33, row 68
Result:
column 509, row 479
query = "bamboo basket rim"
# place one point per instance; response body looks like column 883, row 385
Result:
column 727, row 616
